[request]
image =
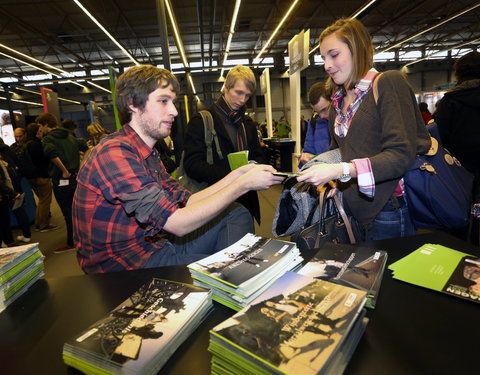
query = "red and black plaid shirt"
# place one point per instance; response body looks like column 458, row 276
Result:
column 123, row 199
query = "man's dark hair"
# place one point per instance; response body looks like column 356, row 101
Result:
column 467, row 67
column 69, row 124
column 47, row 119
column 32, row 130
column 317, row 90
column 134, row 86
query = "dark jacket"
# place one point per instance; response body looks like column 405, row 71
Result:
column 195, row 161
column 41, row 162
column 60, row 142
column 458, row 118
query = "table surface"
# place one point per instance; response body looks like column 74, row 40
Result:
column 411, row 331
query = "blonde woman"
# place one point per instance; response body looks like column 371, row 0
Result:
column 96, row 132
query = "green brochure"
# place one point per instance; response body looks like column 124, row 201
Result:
column 237, row 159
column 442, row 269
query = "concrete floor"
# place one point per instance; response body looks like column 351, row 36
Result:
column 65, row 264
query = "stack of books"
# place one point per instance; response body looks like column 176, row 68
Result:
column 300, row 325
column 241, row 272
column 442, row 269
column 20, row 267
column 140, row 334
column 350, row 265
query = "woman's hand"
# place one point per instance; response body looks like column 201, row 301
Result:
column 320, row 174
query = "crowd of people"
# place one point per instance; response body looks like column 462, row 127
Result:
column 123, row 210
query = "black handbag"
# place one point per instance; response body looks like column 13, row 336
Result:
column 334, row 226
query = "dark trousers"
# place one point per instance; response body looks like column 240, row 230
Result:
column 64, row 197
column 23, row 221
column 5, row 226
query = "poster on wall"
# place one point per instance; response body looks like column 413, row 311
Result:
column 6, row 132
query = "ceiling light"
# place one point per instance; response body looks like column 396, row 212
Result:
column 176, row 33
column 277, row 28
column 230, row 33
column 26, row 63
column 37, row 93
column 364, row 7
column 432, row 27
column 99, row 87
column 22, row 101
column 106, row 32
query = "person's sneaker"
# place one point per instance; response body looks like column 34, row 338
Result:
column 48, row 228
column 23, row 239
column 63, row 249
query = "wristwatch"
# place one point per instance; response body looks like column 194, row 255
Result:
column 346, row 173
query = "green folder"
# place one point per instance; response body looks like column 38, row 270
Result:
column 237, row 159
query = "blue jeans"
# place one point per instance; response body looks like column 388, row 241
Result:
column 228, row 227
column 393, row 221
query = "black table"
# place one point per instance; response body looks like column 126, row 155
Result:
column 412, row 330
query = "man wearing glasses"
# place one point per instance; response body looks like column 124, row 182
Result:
column 235, row 131
column 317, row 140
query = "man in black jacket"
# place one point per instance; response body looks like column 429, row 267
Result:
column 235, row 131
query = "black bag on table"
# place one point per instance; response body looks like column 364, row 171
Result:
column 334, row 226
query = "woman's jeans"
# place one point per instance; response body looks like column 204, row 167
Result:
column 393, row 221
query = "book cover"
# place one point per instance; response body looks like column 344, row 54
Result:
column 296, row 326
column 354, row 266
column 140, row 334
column 242, row 262
column 237, row 159
column 442, row 269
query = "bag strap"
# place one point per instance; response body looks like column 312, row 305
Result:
column 375, row 87
column 210, row 135
column 340, row 209
column 343, row 214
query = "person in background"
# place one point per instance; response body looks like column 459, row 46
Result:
column 41, row 182
column 63, row 149
column 7, row 197
column 426, row 115
column 129, row 213
column 96, row 133
column 10, row 163
column 303, row 130
column 317, row 140
column 283, row 128
column 378, row 140
column 235, row 131
column 458, row 115
column 70, row 125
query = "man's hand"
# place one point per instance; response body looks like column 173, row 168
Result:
column 260, row 177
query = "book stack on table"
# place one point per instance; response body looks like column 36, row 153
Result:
column 300, row 325
column 20, row 267
column 140, row 334
column 349, row 265
column 241, row 272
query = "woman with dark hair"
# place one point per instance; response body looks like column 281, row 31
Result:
column 378, row 138
column 458, row 116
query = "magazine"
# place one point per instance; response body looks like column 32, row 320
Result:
column 298, row 326
column 140, row 334
column 245, row 268
column 350, row 265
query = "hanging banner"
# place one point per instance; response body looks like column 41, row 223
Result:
column 50, row 102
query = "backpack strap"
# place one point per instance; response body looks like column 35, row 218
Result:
column 375, row 87
column 210, row 135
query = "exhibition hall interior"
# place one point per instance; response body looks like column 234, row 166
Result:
column 65, row 56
